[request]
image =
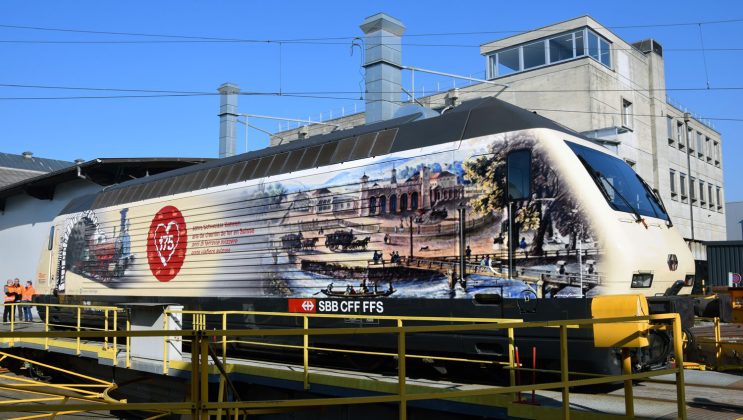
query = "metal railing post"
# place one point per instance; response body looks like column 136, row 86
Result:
column 629, row 398
column 46, row 327
column 77, row 339
column 306, row 352
column 718, row 344
column 512, row 360
column 116, row 347
column 224, row 338
column 195, row 389
column 678, row 350
column 166, row 317
column 105, row 328
column 204, row 375
column 128, row 343
column 401, row 373
column 564, row 377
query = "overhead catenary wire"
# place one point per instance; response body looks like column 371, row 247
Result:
column 330, row 38
column 277, row 94
column 271, row 42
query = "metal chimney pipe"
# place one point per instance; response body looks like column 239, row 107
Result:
column 228, row 119
column 382, row 66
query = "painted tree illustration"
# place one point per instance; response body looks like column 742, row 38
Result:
column 549, row 206
column 277, row 193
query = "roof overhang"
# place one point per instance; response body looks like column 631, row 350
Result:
column 102, row 171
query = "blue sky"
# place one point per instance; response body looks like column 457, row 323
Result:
column 188, row 125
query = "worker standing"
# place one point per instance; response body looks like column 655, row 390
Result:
column 8, row 299
column 18, row 289
column 27, row 296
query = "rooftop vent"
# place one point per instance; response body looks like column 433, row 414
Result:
column 649, row 45
column 383, row 66
column 228, row 119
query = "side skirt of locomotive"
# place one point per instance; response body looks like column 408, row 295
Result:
column 481, row 345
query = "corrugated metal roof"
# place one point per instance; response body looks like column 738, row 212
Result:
column 103, row 171
column 10, row 160
column 11, row 176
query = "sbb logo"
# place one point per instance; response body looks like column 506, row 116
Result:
column 302, row 305
column 167, row 241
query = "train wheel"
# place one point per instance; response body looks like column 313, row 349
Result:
column 658, row 351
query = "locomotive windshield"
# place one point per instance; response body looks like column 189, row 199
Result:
column 620, row 185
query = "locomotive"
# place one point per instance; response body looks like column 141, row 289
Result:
column 487, row 210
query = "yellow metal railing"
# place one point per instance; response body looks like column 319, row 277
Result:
column 82, row 313
column 724, row 348
column 203, row 342
column 86, row 389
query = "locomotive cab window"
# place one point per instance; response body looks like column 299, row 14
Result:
column 51, row 238
column 622, row 188
column 519, row 174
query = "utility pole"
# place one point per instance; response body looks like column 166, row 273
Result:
column 510, row 239
column 462, row 243
column 687, row 117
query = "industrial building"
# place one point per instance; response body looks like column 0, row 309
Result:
column 585, row 77
column 15, row 168
column 734, row 218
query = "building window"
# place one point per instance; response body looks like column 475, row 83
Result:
column 507, row 62
column 710, row 196
column 626, row 114
column 682, row 186
column 700, row 145
column 598, row 49
column 551, row 50
column 716, row 148
column 669, row 129
column 680, row 135
column 690, row 140
column 534, row 55
column 708, row 149
column 562, row 48
column 673, row 184
column 692, row 189
column 702, row 201
column 718, row 199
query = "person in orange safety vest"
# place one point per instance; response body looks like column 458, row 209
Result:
column 8, row 298
column 27, row 296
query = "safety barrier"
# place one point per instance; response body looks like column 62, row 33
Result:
column 724, row 349
column 203, row 342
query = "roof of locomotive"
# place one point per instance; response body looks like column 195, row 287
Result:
column 474, row 118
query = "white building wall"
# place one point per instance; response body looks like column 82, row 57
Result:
column 25, row 225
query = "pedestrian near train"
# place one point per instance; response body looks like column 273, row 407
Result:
column 8, row 299
column 522, row 245
column 18, row 289
column 27, row 296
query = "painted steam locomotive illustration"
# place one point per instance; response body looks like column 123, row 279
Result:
column 380, row 228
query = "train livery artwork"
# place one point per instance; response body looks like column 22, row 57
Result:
column 486, row 210
column 378, row 227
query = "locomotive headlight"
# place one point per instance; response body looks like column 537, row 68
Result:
column 689, row 280
column 642, row 280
